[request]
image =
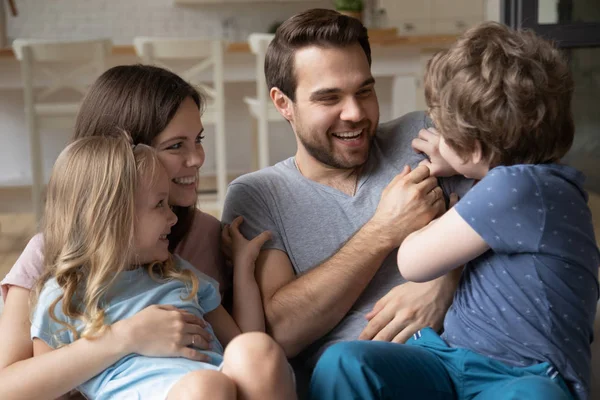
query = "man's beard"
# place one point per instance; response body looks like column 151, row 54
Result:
column 327, row 157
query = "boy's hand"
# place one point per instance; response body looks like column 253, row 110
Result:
column 428, row 142
column 244, row 251
column 453, row 200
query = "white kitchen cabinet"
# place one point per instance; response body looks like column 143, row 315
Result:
column 433, row 17
column 413, row 27
column 456, row 9
column 200, row 2
column 455, row 16
column 453, row 26
column 410, row 18
column 406, row 10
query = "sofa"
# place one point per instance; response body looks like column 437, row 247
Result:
column 595, row 391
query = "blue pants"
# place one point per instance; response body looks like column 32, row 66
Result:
column 427, row 368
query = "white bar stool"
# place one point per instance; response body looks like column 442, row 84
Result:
column 261, row 107
column 39, row 56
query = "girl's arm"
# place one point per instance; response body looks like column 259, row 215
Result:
column 223, row 325
column 248, row 314
column 155, row 331
column 438, row 248
column 247, row 308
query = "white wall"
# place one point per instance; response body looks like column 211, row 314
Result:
column 121, row 21
column 124, row 19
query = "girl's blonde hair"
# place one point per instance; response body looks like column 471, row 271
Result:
column 88, row 226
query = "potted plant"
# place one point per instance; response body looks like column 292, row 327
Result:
column 351, row 8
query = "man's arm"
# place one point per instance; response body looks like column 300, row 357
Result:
column 409, row 307
column 300, row 310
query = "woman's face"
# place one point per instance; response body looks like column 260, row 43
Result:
column 180, row 151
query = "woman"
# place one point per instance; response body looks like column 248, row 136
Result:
column 159, row 109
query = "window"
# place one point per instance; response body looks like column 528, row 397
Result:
column 575, row 27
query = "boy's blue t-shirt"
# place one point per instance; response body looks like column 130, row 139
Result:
column 532, row 297
column 135, row 376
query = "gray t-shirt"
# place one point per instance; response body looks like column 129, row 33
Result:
column 310, row 221
column 532, row 297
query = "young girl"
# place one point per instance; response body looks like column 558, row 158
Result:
column 106, row 253
column 521, row 323
column 159, row 109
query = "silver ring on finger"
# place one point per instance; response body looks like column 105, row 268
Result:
column 194, row 340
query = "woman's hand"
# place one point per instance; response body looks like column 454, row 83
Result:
column 244, row 252
column 164, row 331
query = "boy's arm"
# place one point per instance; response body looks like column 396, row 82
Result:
column 438, row 248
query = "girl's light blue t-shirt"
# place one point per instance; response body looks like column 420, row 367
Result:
column 135, row 376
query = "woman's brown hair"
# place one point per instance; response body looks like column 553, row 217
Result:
column 140, row 100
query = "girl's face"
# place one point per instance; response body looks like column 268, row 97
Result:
column 180, row 151
column 153, row 218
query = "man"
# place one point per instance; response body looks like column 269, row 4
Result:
column 340, row 208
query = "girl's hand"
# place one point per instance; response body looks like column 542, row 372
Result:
column 227, row 244
column 244, row 251
column 164, row 331
column 428, row 142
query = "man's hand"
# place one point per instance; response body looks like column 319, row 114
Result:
column 408, row 203
column 408, row 308
column 428, row 142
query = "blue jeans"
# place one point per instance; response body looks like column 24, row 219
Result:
column 427, row 368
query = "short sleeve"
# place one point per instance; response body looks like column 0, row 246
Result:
column 42, row 325
column 208, row 294
column 243, row 199
column 455, row 184
column 28, row 268
column 505, row 208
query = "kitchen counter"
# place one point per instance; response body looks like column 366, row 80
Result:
column 377, row 38
column 398, row 61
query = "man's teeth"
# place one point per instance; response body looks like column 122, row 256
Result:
column 185, row 181
column 348, row 135
column 163, row 237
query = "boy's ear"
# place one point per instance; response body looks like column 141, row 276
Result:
column 282, row 103
column 477, row 155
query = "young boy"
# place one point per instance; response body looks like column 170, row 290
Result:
column 521, row 322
